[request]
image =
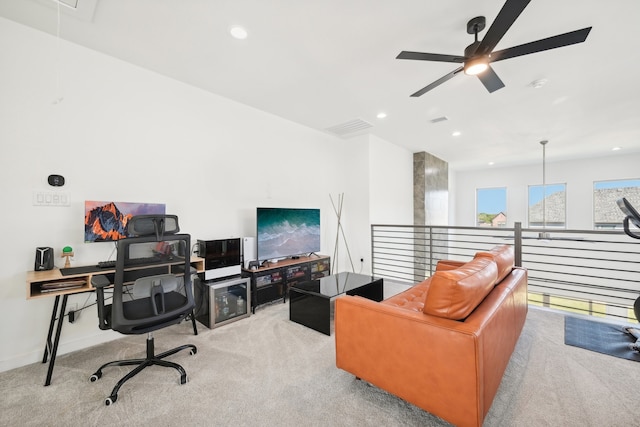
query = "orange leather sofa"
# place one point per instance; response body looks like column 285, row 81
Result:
column 443, row 344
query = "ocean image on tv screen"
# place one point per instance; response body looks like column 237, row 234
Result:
column 286, row 232
column 107, row 221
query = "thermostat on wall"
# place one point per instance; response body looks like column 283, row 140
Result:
column 56, row 180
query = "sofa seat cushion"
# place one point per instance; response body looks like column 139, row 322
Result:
column 503, row 256
column 412, row 299
column 454, row 294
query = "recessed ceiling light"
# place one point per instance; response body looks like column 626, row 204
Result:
column 238, row 32
column 491, row 163
column 615, row 149
column 381, row 115
column 456, row 133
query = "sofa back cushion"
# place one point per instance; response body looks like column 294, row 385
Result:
column 503, row 256
column 454, row 294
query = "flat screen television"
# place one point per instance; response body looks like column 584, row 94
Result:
column 107, row 221
column 287, row 232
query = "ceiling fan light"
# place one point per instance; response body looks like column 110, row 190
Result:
column 476, row 66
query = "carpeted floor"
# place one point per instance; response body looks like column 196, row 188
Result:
column 268, row 371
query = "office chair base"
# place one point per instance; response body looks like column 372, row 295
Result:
column 140, row 364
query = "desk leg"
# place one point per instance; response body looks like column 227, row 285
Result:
column 52, row 323
column 56, row 341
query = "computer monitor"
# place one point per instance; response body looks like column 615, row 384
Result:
column 107, row 221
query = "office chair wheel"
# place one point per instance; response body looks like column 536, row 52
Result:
column 95, row 377
column 193, row 351
column 111, row 400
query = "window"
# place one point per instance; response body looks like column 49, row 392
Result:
column 606, row 214
column 491, row 207
column 547, row 205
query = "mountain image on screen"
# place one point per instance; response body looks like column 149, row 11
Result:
column 286, row 232
column 105, row 221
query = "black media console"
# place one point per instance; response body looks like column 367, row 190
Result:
column 272, row 282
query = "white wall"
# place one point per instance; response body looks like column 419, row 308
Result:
column 391, row 178
column 125, row 134
column 381, row 176
column 579, row 175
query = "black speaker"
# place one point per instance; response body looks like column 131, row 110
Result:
column 44, row 259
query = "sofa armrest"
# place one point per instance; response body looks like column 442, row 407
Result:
column 426, row 360
column 445, row 265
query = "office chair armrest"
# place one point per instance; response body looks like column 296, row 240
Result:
column 100, row 281
column 104, row 312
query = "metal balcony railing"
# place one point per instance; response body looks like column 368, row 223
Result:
column 585, row 271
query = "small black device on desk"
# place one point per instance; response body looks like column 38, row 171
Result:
column 107, row 264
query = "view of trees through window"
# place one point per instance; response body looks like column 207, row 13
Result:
column 547, row 205
column 606, row 213
column 491, row 207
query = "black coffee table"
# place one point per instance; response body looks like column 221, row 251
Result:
column 310, row 302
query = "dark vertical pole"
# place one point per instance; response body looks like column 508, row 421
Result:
column 372, row 243
column 430, row 251
column 517, row 241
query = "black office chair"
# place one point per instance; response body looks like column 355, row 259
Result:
column 151, row 290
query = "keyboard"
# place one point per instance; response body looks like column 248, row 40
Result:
column 107, row 264
column 133, row 261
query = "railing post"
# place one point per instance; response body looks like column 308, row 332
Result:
column 430, row 251
column 372, row 251
column 517, row 242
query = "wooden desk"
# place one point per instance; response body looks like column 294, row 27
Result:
column 39, row 282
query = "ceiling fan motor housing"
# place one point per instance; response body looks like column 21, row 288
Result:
column 470, row 50
column 477, row 24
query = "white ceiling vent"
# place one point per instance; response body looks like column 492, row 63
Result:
column 79, row 9
column 350, row 128
column 439, row 119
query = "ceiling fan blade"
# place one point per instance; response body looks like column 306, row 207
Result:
column 437, row 82
column 490, row 80
column 560, row 40
column 506, row 17
column 430, row 57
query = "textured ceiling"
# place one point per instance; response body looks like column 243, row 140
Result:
column 326, row 63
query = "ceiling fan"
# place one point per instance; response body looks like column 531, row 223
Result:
column 479, row 54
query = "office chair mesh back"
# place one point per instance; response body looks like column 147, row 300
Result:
column 150, row 298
